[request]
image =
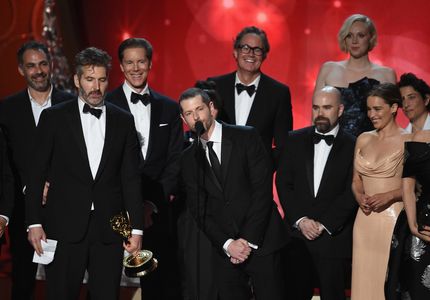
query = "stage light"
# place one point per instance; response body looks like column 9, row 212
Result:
column 125, row 35
column 261, row 17
column 307, row 31
column 337, row 4
column 228, row 3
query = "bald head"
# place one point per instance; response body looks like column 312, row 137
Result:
column 327, row 107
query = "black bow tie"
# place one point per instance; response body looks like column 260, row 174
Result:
column 250, row 89
column 327, row 138
column 145, row 98
column 94, row 111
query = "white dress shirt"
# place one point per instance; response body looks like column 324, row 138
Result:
column 426, row 126
column 38, row 108
column 243, row 102
column 142, row 116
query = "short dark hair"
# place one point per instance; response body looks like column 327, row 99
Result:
column 135, row 43
column 194, row 92
column 31, row 45
column 419, row 85
column 254, row 30
column 387, row 91
column 92, row 57
column 209, row 87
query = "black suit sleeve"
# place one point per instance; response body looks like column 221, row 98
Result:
column 343, row 207
column 130, row 177
column 171, row 170
column 285, row 181
column 283, row 123
column 260, row 178
column 6, row 184
column 45, row 133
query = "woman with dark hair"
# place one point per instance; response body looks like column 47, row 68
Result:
column 409, row 265
column 416, row 97
column 355, row 76
column 377, row 183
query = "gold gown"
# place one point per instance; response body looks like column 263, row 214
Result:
column 372, row 234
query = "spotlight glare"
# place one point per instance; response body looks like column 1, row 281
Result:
column 125, row 35
column 337, row 3
column 261, row 17
column 228, row 3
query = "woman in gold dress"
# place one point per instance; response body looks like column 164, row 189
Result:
column 377, row 183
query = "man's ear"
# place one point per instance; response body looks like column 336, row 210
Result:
column 20, row 70
column 76, row 80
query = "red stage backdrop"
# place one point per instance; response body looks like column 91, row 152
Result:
column 192, row 39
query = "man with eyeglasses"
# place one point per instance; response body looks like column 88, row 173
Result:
column 252, row 98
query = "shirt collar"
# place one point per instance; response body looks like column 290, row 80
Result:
column 47, row 100
column 255, row 82
column 128, row 90
column 81, row 104
column 334, row 131
column 216, row 136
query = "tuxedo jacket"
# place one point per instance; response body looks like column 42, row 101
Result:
column 6, row 182
column 160, row 168
column 241, row 206
column 271, row 112
column 334, row 205
column 60, row 148
column 17, row 121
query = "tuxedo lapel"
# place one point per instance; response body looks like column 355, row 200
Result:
column 226, row 147
column 309, row 160
column 229, row 98
column 76, row 127
column 156, row 110
column 258, row 103
column 27, row 118
column 204, row 166
column 330, row 165
column 111, row 127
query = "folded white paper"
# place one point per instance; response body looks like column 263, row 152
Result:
column 48, row 252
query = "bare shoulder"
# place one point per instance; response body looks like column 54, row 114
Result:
column 331, row 73
column 365, row 138
column 421, row 136
column 383, row 73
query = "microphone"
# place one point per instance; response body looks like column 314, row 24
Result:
column 199, row 128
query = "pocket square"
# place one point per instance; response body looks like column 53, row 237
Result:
column 163, row 124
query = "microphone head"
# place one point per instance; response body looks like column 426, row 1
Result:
column 199, row 128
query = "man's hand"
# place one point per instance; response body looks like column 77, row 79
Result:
column 239, row 250
column 134, row 244
column 148, row 210
column 310, row 228
column 45, row 192
column 35, row 234
column 2, row 226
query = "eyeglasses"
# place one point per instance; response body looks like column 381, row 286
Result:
column 246, row 49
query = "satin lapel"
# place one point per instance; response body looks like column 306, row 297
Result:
column 156, row 110
column 27, row 118
column 226, row 147
column 330, row 165
column 229, row 100
column 202, row 162
column 77, row 133
column 258, row 103
column 111, row 128
column 122, row 99
column 309, row 157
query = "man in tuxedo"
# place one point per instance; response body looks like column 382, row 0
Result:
column 159, row 128
column 19, row 116
column 6, row 188
column 314, row 186
column 88, row 150
column 227, row 180
column 252, row 98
